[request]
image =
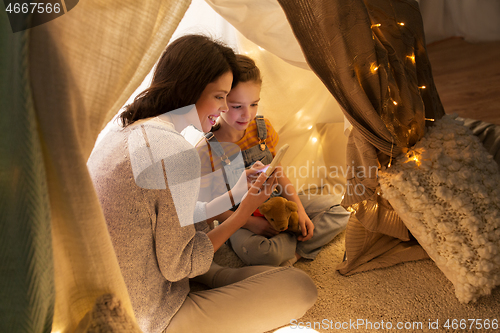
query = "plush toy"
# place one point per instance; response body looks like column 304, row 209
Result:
column 281, row 214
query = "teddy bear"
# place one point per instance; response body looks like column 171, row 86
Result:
column 281, row 214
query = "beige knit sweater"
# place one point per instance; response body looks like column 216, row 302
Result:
column 156, row 255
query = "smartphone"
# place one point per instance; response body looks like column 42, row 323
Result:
column 276, row 160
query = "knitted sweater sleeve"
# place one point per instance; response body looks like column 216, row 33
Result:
column 181, row 251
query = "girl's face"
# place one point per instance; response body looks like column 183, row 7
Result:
column 243, row 102
column 213, row 101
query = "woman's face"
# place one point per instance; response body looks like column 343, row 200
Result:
column 243, row 102
column 213, row 101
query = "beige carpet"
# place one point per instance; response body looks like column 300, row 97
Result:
column 413, row 292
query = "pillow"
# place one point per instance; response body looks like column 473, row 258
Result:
column 446, row 191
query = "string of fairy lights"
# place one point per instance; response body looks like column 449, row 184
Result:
column 374, row 68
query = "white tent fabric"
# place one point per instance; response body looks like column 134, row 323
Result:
column 273, row 32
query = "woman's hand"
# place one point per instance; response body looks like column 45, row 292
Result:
column 247, row 178
column 260, row 190
column 306, row 226
column 260, row 226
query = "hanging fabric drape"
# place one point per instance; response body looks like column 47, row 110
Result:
column 371, row 56
column 26, row 264
column 81, row 68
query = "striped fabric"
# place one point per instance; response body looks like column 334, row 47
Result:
column 251, row 139
column 210, row 163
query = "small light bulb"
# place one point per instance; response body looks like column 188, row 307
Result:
column 374, row 68
column 422, row 87
column 376, row 25
column 395, row 103
column 401, row 23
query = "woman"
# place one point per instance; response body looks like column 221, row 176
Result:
column 150, row 217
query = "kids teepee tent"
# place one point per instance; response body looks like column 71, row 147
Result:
column 64, row 80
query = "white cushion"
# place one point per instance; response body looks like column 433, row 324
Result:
column 446, row 190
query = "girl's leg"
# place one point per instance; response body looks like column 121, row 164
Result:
column 254, row 249
column 329, row 220
column 265, row 298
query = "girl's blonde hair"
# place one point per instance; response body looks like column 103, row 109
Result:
column 247, row 69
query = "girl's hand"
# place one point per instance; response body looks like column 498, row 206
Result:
column 306, row 226
column 258, row 165
column 260, row 226
column 253, row 172
column 259, row 191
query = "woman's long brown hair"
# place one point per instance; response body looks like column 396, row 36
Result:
column 185, row 68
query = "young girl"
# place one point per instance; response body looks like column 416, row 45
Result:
column 257, row 243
